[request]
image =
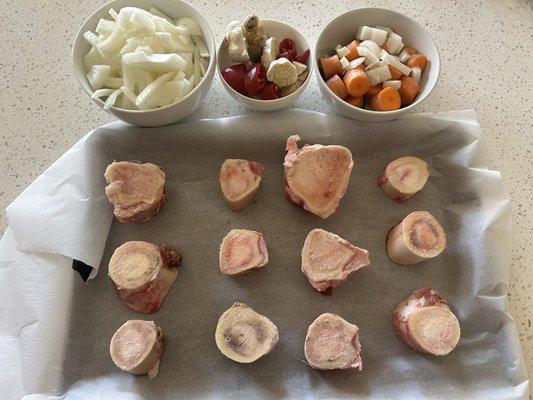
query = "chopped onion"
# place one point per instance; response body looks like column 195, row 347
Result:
column 416, row 73
column 112, row 44
column 165, row 94
column 371, row 46
column 394, row 43
column 113, row 14
column 383, row 54
column 98, row 75
column 114, row 82
column 354, row 63
column 159, row 13
column 344, row 62
column 364, row 33
column 191, row 24
column 143, row 21
column 378, row 74
column 155, row 62
column 101, row 93
column 369, row 33
column 201, row 46
column 384, row 28
column 149, row 90
column 395, row 84
column 342, row 52
column 110, row 101
column 91, row 38
column 404, row 56
column 105, row 27
column 370, row 58
column 404, row 69
column 376, row 64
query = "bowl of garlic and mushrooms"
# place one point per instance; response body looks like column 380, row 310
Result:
column 264, row 64
column 147, row 62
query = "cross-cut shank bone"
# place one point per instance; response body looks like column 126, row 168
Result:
column 426, row 324
column 417, row 238
column 136, row 190
column 142, row 273
column 333, row 343
column 316, row 177
column 137, row 346
column 239, row 182
column 404, row 177
column 241, row 251
column 328, row 259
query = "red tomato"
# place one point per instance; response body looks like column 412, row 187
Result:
column 255, row 79
column 287, row 45
column 234, row 76
column 270, row 92
column 289, row 55
column 302, row 58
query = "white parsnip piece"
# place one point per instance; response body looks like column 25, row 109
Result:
column 404, row 177
column 239, row 182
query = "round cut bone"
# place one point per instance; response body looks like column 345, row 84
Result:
column 142, row 273
column 241, row 251
column 404, row 177
column 426, row 324
column 243, row 335
column 239, row 182
column 137, row 346
column 316, row 176
column 136, row 190
column 417, row 238
column 328, row 259
column 333, row 343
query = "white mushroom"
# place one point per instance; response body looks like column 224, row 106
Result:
column 241, row 251
column 426, row 324
column 239, row 182
column 282, row 72
column 404, row 177
column 417, row 238
column 243, row 335
column 137, row 346
column 333, row 343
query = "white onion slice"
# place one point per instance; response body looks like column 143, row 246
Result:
column 201, row 46
column 143, row 21
column 342, row 51
column 159, row 13
column 101, row 93
column 364, row 33
column 378, row 36
column 394, row 43
column 371, row 46
column 97, row 76
column 91, row 38
column 114, row 82
column 110, row 101
column 112, row 44
column 416, row 72
column 344, row 62
column 404, row 56
column 166, row 94
column 155, row 62
column 378, row 74
column 383, row 54
column 370, row 58
column 152, row 87
column 113, row 14
column 384, row 28
column 142, row 78
column 191, row 24
column 404, row 69
column 395, row 84
column 354, row 64
column 105, row 27
column 376, row 64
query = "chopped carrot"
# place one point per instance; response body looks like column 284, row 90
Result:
column 410, row 50
column 395, row 74
column 357, row 82
column 386, row 100
column 417, row 60
column 353, row 54
column 337, row 86
column 355, row 101
column 372, row 91
column 384, row 46
column 408, row 90
column 330, row 66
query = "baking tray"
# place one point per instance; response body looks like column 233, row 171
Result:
column 468, row 199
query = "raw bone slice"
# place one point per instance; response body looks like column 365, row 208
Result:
column 417, row 238
column 241, row 251
column 316, row 176
column 137, row 346
column 143, row 272
column 404, row 177
column 425, row 323
column 136, row 190
column 333, row 343
column 328, row 260
column 244, row 335
column 239, row 181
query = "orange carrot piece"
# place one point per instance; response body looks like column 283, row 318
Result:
column 410, row 50
column 330, row 66
column 395, row 74
column 337, row 86
column 408, row 90
column 353, row 54
column 417, row 60
column 357, row 82
column 372, row 91
column 355, row 101
column 386, row 100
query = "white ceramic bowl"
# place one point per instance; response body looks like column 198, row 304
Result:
column 280, row 31
column 342, row 30
column 159, row 116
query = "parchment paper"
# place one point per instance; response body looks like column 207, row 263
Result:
column 57, row 328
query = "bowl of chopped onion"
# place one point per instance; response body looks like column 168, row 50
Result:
column 147, row 62
column 375, row 64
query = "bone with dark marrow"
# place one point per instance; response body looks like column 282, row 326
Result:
column 143, row 273
column 333, row 343
column 404, row 177
column 426, row 324
column 417, row 238
column 241, row 251
column 239, row 182
column 328, row 259
column 137, row 346
column 243, row 335
column 316, row 177
column 136, row 190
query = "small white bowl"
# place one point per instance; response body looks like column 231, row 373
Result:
column 280, row 31
column 159, row 116
column 342, row 30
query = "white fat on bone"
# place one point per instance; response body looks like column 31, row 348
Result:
column 405, row 176
column 316, row 177
column 136, row 347
column 143, row 273
column 244, row 335
column 426, row 324
column 242, row 250
column 328, row 260
column 239, row 182
column 418, row 237
column 136, row 190
column 333, row 343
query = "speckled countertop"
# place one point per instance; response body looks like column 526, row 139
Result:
column 487, row 57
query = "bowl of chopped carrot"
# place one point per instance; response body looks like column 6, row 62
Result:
column 375, row 64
